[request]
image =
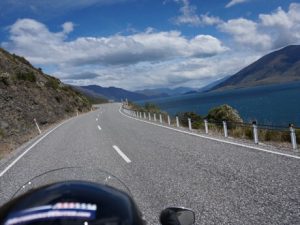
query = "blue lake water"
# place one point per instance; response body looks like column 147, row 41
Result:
column 273, row 105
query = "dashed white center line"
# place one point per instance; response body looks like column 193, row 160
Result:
column 99, row 128
column 121, row 154
column 96, row 119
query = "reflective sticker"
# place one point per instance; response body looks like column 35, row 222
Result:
column 65, row 210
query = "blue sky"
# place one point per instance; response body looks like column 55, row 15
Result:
column 136, row 44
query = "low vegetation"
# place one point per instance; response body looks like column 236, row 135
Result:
column 215, row 117
column 26, row 76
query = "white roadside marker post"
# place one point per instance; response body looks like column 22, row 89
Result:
column 293, row 137
column 154, row 117
column 149, row 115
column 225, row 129
column 190, row 123
column 169, row 120
column 255, row 132
column 144, row 115
column 206, row 126
column 160, row 118
column 177, row 121
column 37, row 126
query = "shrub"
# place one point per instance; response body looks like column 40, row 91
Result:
column 4, row 80
column 26, row 76
column 151, row 107
column 135, row 107
column 248, row 132
column 2, row 133
column 196, row 119
column 53, row 83
column 224, row 112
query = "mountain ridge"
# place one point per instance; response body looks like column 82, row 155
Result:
column 280, row 66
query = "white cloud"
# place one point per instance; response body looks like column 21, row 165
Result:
column 190, row 17
column 68, row 27
column 41, row 46
column 235, row 2
column 283, row 26
column 193, row 72
column 271, row 31
column 246, row 32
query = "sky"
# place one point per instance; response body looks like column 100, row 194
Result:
column 139, row 44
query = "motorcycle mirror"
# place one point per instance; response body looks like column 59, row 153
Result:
column 177, row 216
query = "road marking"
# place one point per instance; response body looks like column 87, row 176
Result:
column 28, row 149
column 96, row 119
column 213, row 139
column 122, row 154
column 99, row 128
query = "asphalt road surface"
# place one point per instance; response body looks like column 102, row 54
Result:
column 223, row 183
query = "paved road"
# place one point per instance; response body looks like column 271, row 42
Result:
column 225, row 184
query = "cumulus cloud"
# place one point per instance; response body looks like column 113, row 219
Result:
column 271, row 31
column 68, row 27
column 284, row 26
column 193, row 72
column 41, row 46
column 235, row 2
column 190, row 17
column 246, row 32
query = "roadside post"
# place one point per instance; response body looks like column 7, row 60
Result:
column 190, row 123
column 169, row 120
column 149, row 115
column 37, row 126
column 225, row 129
column 144, row 115
column 160, row 118
column 293, row 137
column 206, row 126
column 255, row 132
column 154, row 117
column 177, row 121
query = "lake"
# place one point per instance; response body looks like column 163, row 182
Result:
column 272, row 104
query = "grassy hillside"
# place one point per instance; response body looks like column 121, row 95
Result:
column 27, row 93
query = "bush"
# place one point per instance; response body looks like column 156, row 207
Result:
column 197, row 120
column 151, row 107
column 2, row 133
column 224, row 112
column 26, row 76
column 135, row 107
column 4, row 80
column 53, row 83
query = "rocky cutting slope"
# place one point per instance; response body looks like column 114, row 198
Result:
column 27, row 93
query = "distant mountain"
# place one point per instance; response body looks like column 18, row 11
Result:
column 114, row 93
column 93, row 97
column 191, row 92
column 281, row 66
column 212, row 85
column 165, row 92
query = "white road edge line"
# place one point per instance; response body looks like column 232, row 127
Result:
column 99, row 128
column 121, row 154
column 28, row 149
column 214, row 139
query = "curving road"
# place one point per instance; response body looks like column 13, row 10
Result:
column 224, row 183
